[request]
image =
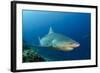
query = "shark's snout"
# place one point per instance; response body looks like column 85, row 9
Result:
column 75, row 45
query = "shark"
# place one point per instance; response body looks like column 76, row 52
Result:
column 58, row 41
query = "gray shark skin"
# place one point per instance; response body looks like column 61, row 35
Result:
column 58, row 41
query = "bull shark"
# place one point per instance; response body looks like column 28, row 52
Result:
column 58, row 41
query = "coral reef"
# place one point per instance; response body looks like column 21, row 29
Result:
column 30, row 54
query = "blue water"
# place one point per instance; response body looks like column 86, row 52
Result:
column 75, row 25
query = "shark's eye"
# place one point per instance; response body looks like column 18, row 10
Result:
column 70, row 43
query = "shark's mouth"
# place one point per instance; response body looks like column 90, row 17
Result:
column 67, row 47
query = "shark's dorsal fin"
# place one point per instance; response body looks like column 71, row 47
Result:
column 39, row 40
column 50, row 30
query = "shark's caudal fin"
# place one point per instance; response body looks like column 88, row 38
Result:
column 50, row 30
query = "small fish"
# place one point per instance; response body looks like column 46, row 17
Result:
column 58, row 41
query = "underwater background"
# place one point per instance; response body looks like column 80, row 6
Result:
column 36, row 24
